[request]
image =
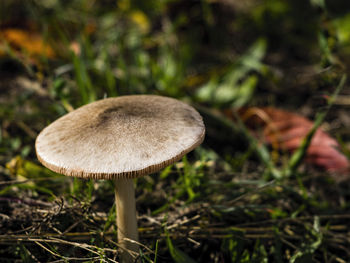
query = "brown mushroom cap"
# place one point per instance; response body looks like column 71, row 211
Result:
column 121, row 137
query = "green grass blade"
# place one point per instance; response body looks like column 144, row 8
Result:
column 178, row 255
column 300, row 153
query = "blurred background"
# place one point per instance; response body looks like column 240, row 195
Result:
column 230, row 60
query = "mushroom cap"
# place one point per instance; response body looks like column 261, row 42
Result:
column 122, row 137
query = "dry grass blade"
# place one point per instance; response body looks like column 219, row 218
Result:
column 90, row 248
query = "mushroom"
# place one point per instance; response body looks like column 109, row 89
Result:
column 120, row 139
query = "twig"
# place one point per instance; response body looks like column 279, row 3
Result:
column 183, row 222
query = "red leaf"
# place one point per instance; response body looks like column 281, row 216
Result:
column 285, row 131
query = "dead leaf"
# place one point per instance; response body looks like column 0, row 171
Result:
column 285, row 131
column 29, row 42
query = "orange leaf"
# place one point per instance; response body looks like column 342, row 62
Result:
column 30, row 42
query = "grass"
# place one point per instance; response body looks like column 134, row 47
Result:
column 230, row 200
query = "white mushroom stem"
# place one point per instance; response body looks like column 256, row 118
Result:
column 126, row 217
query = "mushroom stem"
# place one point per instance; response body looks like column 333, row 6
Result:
column 126, row 217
